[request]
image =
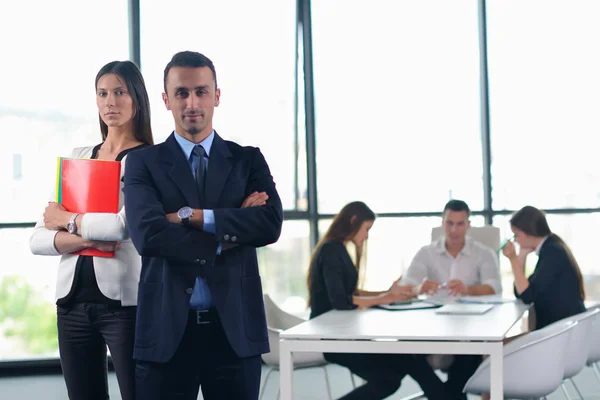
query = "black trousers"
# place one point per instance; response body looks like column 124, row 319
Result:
column 384, row 373
column 84, row 331
column 204, row 359
column 462, row 368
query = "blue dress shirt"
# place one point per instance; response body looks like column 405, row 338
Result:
column 201, row 297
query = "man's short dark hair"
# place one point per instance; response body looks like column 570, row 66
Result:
column 456, row 205
column 189, row 59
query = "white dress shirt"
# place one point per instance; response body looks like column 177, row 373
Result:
column 475, row 264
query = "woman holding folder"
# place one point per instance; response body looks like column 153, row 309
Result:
column 96, row 296
column 332, row 284
column 556, row 286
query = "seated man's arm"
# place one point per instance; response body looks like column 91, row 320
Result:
column 489, row 276
column 417, row 276
column 152, row 234
column 252, row 226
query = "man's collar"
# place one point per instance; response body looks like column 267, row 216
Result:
column 188, row 146
column 440, row 245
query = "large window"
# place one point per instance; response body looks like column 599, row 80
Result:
column 397, row 104
column 254, row 56
column 544, row 102
column 47, row 107
column 47, row 101
column 397, row 121
column 27, row 311
column 284, row 264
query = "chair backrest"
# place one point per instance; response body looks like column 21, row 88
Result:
column 581, row 340
column 277, row 321
column 539, row 356
column 276, row 317
column 487, row 235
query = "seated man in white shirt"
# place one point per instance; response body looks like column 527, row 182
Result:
column 463, row 267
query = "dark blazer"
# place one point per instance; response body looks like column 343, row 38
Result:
column 553, row 286
column 333, row 280
column 158, row 181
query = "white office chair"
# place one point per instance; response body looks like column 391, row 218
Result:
column 579, row 346
column 487, row 235
column 594, row 355
column 534, row 364
column 278, row 321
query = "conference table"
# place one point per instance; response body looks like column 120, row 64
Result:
column 423, row 331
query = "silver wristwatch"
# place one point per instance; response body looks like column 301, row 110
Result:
column 72, row 225
column 185, row 213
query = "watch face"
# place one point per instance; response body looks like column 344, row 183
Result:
column 185, row 213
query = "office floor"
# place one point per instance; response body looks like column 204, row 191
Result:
column 308, row 384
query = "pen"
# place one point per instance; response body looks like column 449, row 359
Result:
column 505, row 243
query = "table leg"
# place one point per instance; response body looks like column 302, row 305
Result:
column 497, row 371
column 286, row 370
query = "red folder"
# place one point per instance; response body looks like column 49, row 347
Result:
column 84, row 186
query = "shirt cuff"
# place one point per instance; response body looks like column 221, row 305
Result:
column 209, row 222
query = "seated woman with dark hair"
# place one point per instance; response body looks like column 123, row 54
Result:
column 556, row 286
column 332, row 283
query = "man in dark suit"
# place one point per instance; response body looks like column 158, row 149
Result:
column 197, row 208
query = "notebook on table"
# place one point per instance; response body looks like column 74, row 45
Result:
column 408, row 305
column 464, row 309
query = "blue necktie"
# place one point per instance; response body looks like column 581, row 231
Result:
column 200, row 170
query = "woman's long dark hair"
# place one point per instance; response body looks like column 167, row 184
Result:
column 344, row 227
column 533, row 222
column 132, row 77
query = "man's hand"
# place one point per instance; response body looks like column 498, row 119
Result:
column 401, row 292
column 56, row 217
column 173, row 217
column 457, row 287
column 430, row 287
column 255, row 199
column 105, row 246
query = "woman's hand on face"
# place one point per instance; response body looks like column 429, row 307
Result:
column 509, row 250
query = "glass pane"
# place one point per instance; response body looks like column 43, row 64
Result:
column 544, row 102
column 283, row 267
column 27, row 310
column 579, row 231
column 48, row 101
column 397, row 100
column 392, row 244
column 254, row 56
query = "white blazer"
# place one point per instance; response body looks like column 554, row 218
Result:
column 117, row 277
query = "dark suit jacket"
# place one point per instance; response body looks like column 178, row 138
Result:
column 333, row 280
column 553, row 286
column 158, row 180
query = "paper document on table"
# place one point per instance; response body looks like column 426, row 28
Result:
column 488, row 299
column 464, row 309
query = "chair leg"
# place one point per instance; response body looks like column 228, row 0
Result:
column 327, row 382
column 564, row 390
column 596, row 371
column 576, row 388
column 352, row 379
column 264, row 385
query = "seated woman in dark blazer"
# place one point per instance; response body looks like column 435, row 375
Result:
column 556, row 286
column 332, row 284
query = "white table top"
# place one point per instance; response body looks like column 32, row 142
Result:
column 423, row 325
